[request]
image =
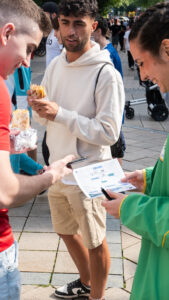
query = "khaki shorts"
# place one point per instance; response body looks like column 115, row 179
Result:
column 73, row 213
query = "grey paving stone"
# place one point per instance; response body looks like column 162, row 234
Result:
column 116, row 294
column 36, row 261
column 116, row 267
column 62, row 246
column 17, row 223
column 37, row 78
column 22, row 211
column 39, row 68
column 38, row 224
column 128, row 231
column 115, row 250
column 128, row 240
column 113, row 237
column 61, row 278
column 129, row 283
column 112, row 224
column 39, row 210
column 132, row 252
column 38, row 241
column 129, row 269
column 35, row 278
column 64, row 263
column 42, row 199
column 31, row 292
column 114, row 281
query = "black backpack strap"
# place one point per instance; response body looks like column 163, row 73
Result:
column 98, row 75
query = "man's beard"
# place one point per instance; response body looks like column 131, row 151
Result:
column 75, row 48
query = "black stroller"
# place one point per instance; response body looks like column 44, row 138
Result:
column 156, row 104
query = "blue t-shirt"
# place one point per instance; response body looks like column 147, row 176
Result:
column 115, row 58
column 116, row 61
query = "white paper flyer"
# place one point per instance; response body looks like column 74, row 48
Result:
column 106, row 174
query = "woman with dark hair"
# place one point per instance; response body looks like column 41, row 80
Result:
column 148, row 214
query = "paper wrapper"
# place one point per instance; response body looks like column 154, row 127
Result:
column 26, row 139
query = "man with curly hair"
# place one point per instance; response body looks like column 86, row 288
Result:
column 83, row 116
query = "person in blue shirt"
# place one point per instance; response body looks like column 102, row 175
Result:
column 99, row 35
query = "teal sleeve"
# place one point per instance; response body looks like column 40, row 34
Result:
column 148, row 217
column 149, row 176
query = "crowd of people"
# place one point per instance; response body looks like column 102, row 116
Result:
column 83, row 119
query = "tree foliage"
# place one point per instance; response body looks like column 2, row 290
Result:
column 107, row 5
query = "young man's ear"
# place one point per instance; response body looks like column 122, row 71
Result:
column 164, row 50
column 5, row 33
column 94, row 26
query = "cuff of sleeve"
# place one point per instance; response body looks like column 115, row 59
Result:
column 164, row 237
column 121, row 204
column 63, row 115
column 59, row 115
column 144, row 187
column 148, row 175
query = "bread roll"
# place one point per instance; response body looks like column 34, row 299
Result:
column 39, row 90
column 20, row 119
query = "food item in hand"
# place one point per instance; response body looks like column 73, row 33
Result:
column 39, row 90
column 20, row 119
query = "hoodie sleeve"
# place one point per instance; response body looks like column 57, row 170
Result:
column 104, row 129
column 147, row 216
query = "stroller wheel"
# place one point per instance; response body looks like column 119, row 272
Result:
column 159, row 112
column 129, row 113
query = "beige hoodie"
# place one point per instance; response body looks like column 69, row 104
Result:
column 84, row 126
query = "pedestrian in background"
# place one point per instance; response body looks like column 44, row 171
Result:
column 127, row 47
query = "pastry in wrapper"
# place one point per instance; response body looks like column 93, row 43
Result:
column 20, row 119
column 39, row 90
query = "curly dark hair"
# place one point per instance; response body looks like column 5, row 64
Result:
column 102, row 24
column 78, row 8
column 152, row 27
column 55, row 23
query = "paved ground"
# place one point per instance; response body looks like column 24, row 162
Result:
column 43, row 259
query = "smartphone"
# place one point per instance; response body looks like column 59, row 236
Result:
column 106, row 194
column 69, row 165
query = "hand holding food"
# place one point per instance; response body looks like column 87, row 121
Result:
column 38, row 90
column 22, row 137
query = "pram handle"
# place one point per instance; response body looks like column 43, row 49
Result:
column 153, row 87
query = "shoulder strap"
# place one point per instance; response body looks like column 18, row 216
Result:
column 98, row 75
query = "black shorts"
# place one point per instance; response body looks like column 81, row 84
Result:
column 118, row 149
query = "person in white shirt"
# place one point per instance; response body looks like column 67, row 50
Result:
column 127, row 47
column 53, row 47
column 83, row 116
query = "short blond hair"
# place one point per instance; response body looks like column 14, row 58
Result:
column 19, row 12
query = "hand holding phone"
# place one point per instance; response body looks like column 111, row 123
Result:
column 69, row 165
column 106, row 194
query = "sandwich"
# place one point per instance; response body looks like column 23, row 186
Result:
column 20, row 119
column 39, row 90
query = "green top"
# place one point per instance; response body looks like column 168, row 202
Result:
column 148, row 216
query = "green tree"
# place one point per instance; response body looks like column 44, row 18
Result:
column 146, row 3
